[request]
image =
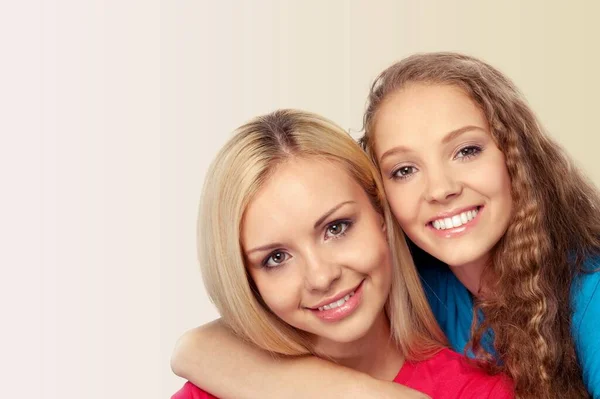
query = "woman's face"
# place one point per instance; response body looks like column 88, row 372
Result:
column 317, row 251
column 445, row 178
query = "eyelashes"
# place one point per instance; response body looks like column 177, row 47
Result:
column 465, row 153
column 333, row 231
column 403, row 172
column 468, row 152
column 337, row 229
column 275, row 258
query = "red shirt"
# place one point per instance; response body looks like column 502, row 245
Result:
column 447, row 375
column 190, row 391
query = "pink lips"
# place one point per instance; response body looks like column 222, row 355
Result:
column 341, row 312
column 460, row 230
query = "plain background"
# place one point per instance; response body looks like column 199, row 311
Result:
column 112, row 110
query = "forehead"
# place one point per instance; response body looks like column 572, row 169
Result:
column 422, row 110
column 296, row 194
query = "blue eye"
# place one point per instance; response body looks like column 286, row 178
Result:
column 337, row 229
column 403, row 172
column 468, row 152
column 275, row 259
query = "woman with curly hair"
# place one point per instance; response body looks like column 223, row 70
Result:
column 475, row 183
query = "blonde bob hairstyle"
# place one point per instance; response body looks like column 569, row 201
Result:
column 237, row 174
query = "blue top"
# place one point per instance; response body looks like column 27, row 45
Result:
column 452, row 306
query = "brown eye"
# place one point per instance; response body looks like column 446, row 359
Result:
column 403, row 172
column 406, row 170
column 276, row 259
column 337, row 229
column 468, row 152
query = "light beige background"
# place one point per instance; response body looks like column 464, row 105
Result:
column 112, row 110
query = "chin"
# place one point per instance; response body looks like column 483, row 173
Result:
column 461, row 259
column 348, row 332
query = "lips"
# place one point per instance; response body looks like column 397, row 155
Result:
column 342, row 311
column 454, row 218
column 336, row 300
column 456, row 223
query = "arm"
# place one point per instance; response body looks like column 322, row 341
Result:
column 211, row 357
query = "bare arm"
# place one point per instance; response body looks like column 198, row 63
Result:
column 214, row 359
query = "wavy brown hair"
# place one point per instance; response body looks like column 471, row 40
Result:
column 554, row 228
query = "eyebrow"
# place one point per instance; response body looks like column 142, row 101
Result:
column 264, row 248
column 330, row 212
column 447, row 138
column 316, row 225
column 455, row 133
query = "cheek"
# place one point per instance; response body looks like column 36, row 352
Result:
column 497, row 182
column 369, row 254
column 281, row 293
column 505, row 193
column 403, row 203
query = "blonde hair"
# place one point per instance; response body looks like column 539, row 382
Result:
column 237, row 174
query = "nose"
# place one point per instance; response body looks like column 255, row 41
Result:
column 321, row 272
column 441, row 186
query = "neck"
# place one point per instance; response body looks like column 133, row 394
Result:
column 470, row 275
column 375, row 353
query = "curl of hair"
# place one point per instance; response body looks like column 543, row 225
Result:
column 239, row 171
column 554, row 229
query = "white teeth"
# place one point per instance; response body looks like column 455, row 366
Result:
column 454, row 221
column 337, row 303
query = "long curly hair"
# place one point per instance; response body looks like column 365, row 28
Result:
column 555, row 227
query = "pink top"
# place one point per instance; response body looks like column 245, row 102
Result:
column 446, row 375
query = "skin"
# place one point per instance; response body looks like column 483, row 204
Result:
column 446, row 176
column 437, row 159
column 302, row 254
column 313, row 265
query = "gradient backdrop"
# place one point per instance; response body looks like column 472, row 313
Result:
column 112, row 110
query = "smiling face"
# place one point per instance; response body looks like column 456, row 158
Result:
column 444, row 177
column 316, row 249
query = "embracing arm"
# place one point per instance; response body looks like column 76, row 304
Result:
column 211, row 357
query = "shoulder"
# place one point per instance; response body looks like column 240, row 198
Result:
column 453, row 375
column 585, row 292
column 472, row 381
column 435, row 275
column 449, row 300
column 585, row 323
column 190, row 391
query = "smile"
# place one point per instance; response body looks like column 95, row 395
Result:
column 340, row 307
column 456, row 220
column 337, row 303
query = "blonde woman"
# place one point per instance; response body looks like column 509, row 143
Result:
column 294, row 234
column 474, row 182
